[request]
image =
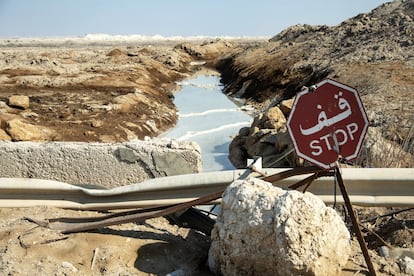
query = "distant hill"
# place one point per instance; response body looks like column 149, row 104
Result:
column 386, row 33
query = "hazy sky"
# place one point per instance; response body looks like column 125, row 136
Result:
column 34, row 18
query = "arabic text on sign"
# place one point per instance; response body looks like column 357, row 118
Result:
column 323, row 120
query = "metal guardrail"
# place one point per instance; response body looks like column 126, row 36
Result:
column 366, row 187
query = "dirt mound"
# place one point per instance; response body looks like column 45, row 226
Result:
column 372, row 52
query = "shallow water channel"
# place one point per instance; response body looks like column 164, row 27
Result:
column 208, row 117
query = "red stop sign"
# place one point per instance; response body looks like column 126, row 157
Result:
column 327, row 123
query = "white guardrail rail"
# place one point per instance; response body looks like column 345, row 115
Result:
column 366, row 187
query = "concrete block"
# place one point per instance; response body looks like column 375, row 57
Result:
column 104, row 164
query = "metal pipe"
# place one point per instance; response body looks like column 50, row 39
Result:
column 366, row 187
column 355, row 224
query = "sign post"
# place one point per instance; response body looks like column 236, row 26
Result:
column 328, row 122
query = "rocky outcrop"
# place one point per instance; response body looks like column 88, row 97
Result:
column 268, row 138
column 264, row 230
column 372, row 52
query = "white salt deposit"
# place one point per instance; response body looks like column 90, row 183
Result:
column 109, row 39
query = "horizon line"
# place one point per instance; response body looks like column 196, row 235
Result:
column 130, row 37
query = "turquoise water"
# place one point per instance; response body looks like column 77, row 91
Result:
column 208, row 117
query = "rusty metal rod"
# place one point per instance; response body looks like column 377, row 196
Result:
column 147, row 215
column 65, row 226
column 355, row 224
column 292, row 172
column 307, row 181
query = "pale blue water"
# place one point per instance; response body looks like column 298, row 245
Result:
column 210, row 118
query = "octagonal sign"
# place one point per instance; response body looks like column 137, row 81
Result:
column 327, row 123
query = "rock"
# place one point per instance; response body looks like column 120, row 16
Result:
column 197, row 63
column 379, row 152
column 70, row 266
column 407, row 265
column 108, row 138
column 133, row 54
column 267, row 137
column 238, row 156
column 5, row 117
column 89, row 133
column 273, row 119
column 208, row 50
column 4, row 108
column 126, row 102
column 286, row 106
column 261, row 143
column 4, row 136
column 19, row 101
column 130, row 135
column 131, row 125
column 97, row 123
column 172, row 58
column 396, row 252
column 22, row 131
column 264, row 230
column 127, row 155
column 115, row 53
column 29, row 114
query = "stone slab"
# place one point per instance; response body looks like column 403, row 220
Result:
column 105, row 164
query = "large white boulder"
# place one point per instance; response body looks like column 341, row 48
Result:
column 264, row 230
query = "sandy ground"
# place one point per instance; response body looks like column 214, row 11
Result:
column 153, row 247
